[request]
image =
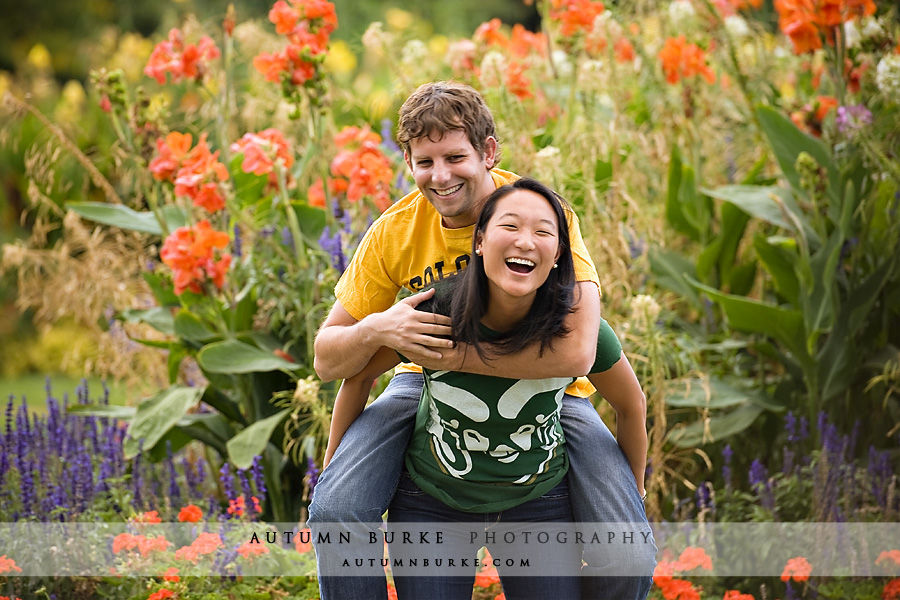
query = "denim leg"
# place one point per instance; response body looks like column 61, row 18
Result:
column 356, row 488
column 603, row 490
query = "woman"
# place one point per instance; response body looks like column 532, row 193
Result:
column 493, row 446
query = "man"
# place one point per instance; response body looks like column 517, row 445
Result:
column 447, row 134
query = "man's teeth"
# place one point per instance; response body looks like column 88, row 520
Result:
column 448, row 191
column 520, row 261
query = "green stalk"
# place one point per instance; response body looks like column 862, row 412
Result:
column 293, row 223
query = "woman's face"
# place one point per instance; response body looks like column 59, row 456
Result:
column 519, row 245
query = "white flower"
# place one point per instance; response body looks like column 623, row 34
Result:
column 591, row 75
column 887, row 76
column 681, row 11
column 872, row 29
column 852, row 36
column 548, row 152
column 644, row 310
column 562, row 63
column 493, row 68
column 414, row 53
column 736, row 26
column 375, row 39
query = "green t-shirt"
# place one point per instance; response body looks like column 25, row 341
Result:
column 486, row 444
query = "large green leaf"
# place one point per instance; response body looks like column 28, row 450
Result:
column 671, row 270
column 251, row 442
column 682, row 210
column 119, row 215
column 778, row 256
column 160, row 318
column 715, row 393
column 819, row 302
column 770, row 203
column 718, row 427
column 783, row 324
column 189, row 326
column 788, row 142
column 233, row 356
column 312, row 221
column 157, row 415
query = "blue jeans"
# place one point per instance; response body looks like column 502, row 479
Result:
column 357, row 487
column 560, row 563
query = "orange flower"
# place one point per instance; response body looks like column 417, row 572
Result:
column 736, row 595
column 190, row 514
column 798, row 569
column 284, row 17
column 361, row 168
column 146, row 545
column 490, row 34
column 891, row 591
column 206, row 543
column 889, row 555
column 161, row 594
column 693, row 558
column 271, row 65
column 248, row 549
column 500, row 596
column 200, row 175
column 171, row 152
column 171, row 575
column 391, row 591
column 189, row 252
column 575, row 16
column 303, row 541
column 624, row 50
column 147, row 517
column 679, row 589
column 316, row 194
column 524, row 42
column 681, row 60
column 517, row 83
column 123, row 541
column 180, row 59
column 8, row 565
column 261, row 150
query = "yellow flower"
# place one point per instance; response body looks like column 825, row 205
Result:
column 378, row 103
column 398, row 18
column 438, row 44
column 39, row 57
column 340, row 58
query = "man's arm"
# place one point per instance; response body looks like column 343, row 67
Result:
column 344, row 345
column 351, row 398
column 621, row 388
column 570, row 356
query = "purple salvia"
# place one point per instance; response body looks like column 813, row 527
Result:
column 790, row 425
column 287, row 237
column 726, row 465
column 804, row 429
column 136, row 482
column 227, row 480
column 788, row 461
column 237, row 244
column 248, row 492
column 387, row 137
column 10, row 407
column 174, row 489
column 259, row 479
column 312, row 471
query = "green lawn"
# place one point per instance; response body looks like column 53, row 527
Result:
column 32, row 387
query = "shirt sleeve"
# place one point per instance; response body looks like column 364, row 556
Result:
column 584, row 266
column 609, row 349
column 366, row 286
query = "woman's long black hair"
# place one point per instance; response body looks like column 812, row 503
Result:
column 552, row 302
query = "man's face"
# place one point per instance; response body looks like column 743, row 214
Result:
column 453, row 175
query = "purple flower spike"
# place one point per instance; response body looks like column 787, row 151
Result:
column 853, row 118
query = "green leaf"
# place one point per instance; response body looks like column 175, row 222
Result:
column 177, row 353
column 716, row 393
column 233, row 356
column 312, row 221
column 718, row 427
column 157, row 415
column 671, row 270
column 190, row 327
column 162, row 289
column 251, row 442
column 119, row 215
column 122, row 413
column 788, row 142
column 753, row 316
column 248, row 187
column 819, row 302
column 682, row 204
column 772, row 204
column 779, row 257
column 160, row 318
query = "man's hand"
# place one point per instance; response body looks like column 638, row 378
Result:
column 410, row 331
column 448, row 359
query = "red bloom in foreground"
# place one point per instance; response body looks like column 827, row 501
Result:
column 681, row 60
column 181, row 60
column 171, row 575
column 171, row 151
column 889, row 555
column 190, row 253
column 8, row 565
column 206, row 543
column 200, row 175
column 303, row 541
column 891, row 591
column 161, row 595
column 391, row 591
column 488, row 574
column 147, row 517
column 261, row 150
column 798, row 569
column 248, row 549
column 190, row 514
column 693, row 558
column 736, row 595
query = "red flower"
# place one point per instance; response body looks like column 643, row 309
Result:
column 806, row 22
column 488, row 574
column 189, row 252
column 391, row 591
column 171, row 152
column 171, row 575
column 261, row 150
column 889, row 555
column 200, row 175
column 575, row 16
column 180, row 59
column 524, row 42
column 798, row 569
column 271, row 65
column 8, row 565
column 624, row 50
column 517, row 83
column 248, row 549
column 736, row 595
column 303, row 541
column 681, row 60
column 190, row 514
column 891, row 591
column 316, row 194
column 161, row 594
column 490, row 34
column 693, row 558
column 147, row 517
column 361, row 169
column 206, row 543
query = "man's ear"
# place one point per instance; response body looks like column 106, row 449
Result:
column 407, row 160
column 490, row 151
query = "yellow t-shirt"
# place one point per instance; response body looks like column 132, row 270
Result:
column 408, row 247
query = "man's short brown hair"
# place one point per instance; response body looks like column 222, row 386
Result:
column 437, row 108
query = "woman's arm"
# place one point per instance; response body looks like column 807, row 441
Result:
column 351, row 398
column 620, row 387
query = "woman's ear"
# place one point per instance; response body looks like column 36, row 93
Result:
column 479, row 241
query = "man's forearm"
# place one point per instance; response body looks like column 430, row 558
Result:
column 341, row 351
